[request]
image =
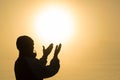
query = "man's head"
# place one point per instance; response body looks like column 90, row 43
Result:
column 25, row 44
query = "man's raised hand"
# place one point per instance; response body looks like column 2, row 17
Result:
column 47, row 51
column 57, row 50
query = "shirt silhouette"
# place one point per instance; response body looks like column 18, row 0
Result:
column 27, row 67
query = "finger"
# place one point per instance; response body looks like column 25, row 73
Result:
column 43, row 47
column 50, row 46
column 56, row 47
column 59, row 47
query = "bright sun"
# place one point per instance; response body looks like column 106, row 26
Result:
column 54, row 24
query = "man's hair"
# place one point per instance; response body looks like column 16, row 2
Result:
column 23, row 42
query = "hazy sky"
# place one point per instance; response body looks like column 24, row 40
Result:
column 93, row 53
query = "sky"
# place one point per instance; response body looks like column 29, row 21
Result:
column 92, row 53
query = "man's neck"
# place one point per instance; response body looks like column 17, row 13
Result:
column 27, row 54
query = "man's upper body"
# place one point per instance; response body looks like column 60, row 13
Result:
column 27, row 67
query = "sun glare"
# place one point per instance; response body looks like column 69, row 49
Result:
column 54, row 24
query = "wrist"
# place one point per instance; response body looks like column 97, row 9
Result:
column 55, row 56
column 44, row 56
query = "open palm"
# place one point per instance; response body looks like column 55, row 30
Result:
column 57, row 50
column 47, row 51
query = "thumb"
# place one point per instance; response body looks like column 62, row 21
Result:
column 43, row 48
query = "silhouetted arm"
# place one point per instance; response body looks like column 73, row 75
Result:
column 51, row 69
column 42, row 71
column 46, row 52
column 54, row 66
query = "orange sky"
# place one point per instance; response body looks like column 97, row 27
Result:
column 93, row 53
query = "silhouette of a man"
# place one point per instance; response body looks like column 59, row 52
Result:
column 27, row 67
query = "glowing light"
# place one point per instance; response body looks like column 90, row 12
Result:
column 54, row 24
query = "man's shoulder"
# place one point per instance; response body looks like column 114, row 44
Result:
column 31, row 60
